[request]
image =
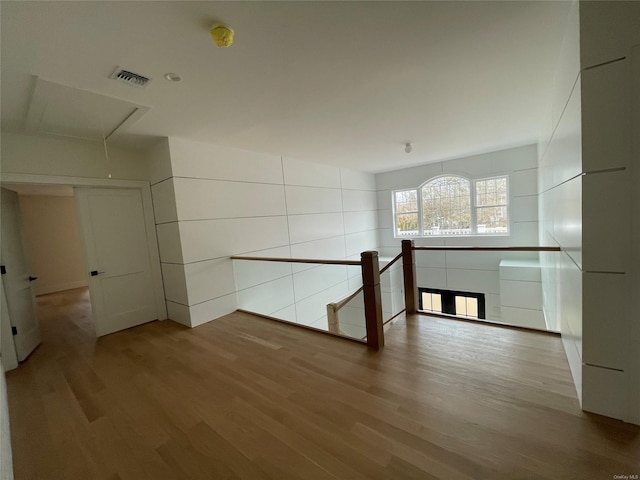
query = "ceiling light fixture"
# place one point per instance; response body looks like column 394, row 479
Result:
column 173, row 77
column 408, row 148
column 222, row 35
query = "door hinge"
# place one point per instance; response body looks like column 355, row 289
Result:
column 14, row 330
column 3, row 269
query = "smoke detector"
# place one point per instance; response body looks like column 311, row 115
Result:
column 130, row 78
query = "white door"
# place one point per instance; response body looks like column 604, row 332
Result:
column 17, row 278
column 116, row 248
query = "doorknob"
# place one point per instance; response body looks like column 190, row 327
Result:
column 31, row 279
column 95, row 273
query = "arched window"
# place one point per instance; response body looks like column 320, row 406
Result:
column 453, row 205
column 446, row 206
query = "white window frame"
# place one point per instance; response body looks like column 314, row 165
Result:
column 473, row 203
column 475, row 207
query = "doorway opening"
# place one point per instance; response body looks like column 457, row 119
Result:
column 115, row 251
column 52, row 240
column 52, row 237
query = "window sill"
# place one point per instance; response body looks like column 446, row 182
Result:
column 476, row 235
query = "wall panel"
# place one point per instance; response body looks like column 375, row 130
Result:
column 220, row 202
column 309, row 174
column 315, row 226
column 199, row 199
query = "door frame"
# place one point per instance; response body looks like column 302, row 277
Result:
column 147, row 206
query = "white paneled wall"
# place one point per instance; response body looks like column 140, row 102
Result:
column 521, row 294
column 468, row 271
column 315, row 226
column 609, row 348
column 215, row 202
column 198, row 199
column 586, row 168
column 634, row 284
column 560, row 206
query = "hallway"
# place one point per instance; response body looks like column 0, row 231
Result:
column 246, row 398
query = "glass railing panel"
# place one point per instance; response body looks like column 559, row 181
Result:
column 298, row 293
column 355, row 277
column 392, row 290
column 350, row 318
column 496, row 286
column 316, row 287
column 265, row 288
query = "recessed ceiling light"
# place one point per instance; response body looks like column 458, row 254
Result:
column 173, row 77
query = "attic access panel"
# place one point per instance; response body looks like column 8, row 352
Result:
column 57, row 109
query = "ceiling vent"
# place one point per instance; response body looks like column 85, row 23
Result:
column 130, row 78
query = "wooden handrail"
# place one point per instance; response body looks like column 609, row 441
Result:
column 346, row 300
column 298, row 260
column 493, row 249
column 343, row 302
column 388, row 265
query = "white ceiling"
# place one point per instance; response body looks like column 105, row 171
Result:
column 56, row 109
column 344, row 83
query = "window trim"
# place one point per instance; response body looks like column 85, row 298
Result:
column 473, row 202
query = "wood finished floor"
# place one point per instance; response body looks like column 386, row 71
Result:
column 247, row 398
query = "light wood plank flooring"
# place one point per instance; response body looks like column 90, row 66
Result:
column 248, row 398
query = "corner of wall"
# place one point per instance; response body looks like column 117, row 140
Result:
column 159, row 161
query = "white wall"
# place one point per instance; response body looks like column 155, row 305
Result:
column 608, row 30
column 212, row 202
column 634, row 334
column 586, row 167
column 57, row 156
column 469, row 271
column 560, row 186
column 52, row 234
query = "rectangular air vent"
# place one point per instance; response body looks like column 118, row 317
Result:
column 130, row 78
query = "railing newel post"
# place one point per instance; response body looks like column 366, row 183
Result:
column 372, row 299
column 332, row 318
column 409, row 272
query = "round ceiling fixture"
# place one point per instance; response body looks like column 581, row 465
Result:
column 222, row 35
column 408, row 148
column 173, row 77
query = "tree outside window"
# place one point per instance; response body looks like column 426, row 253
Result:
column 491, row 205
column 406, row 203
column 453, row 205
column 446, row 206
